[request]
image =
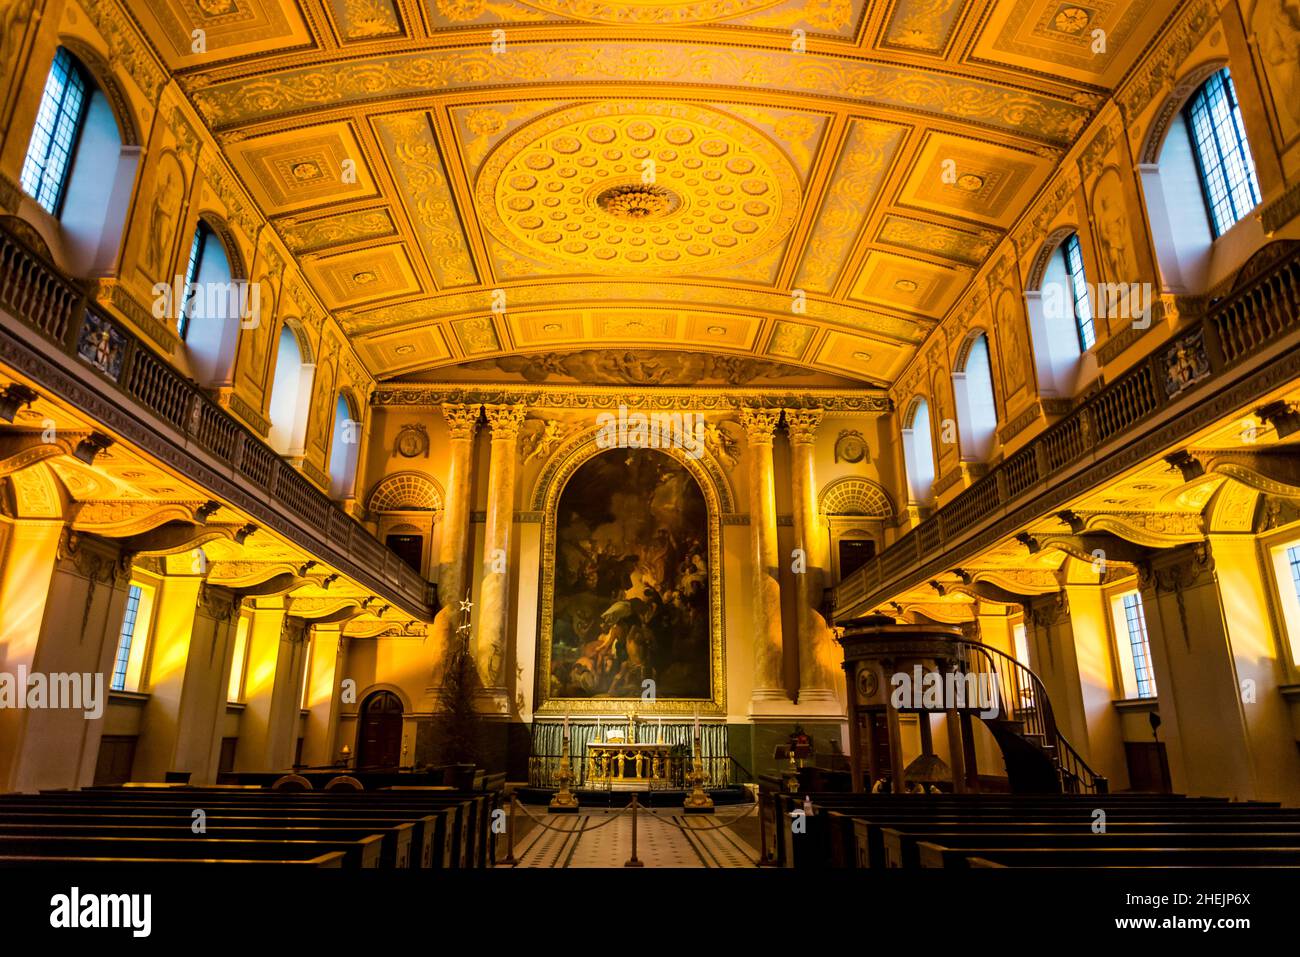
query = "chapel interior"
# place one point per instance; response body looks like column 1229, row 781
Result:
column 608, row 397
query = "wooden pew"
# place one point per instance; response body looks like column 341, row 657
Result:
column 932, row 855
column 432, row 826
column 332, row 860
column 901, row 849
column 361, row 853
column 395, row 839
column 454, row 840
column 419, row 848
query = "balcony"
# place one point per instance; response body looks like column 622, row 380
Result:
column 1245, row 345
column 77, row 352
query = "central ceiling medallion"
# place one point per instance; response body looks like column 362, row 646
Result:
column 638, row 201
column 632, row 187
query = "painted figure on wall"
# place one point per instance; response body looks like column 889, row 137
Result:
column 631, row 580
column 1277, row 30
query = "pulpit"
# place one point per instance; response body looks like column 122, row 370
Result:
column 627, row 766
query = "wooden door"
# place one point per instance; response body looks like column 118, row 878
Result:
column 379, row 739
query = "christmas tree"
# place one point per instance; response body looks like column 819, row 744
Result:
column 457, row 723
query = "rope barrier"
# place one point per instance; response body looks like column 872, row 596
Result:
column 714, row 827
column 541, row 821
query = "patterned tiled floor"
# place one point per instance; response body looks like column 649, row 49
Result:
column 601, row 838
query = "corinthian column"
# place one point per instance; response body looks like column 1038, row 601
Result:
column 494, row 594
column 462, row 420
column 768, row 684
column 816, row 682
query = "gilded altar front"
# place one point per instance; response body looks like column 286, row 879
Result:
column 623, row 766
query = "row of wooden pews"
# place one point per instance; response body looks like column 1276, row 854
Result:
column 999, row 830
column 248, row 826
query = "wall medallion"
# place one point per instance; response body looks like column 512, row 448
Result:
column 412, row 440
column 850, row 446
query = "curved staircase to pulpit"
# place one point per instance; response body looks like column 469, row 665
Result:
column 1038, row 757
column 997, row 689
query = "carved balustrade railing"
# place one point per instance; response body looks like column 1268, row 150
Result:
column 143, row 385
column 1263, row 307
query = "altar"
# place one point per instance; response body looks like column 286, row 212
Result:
column 629, row 766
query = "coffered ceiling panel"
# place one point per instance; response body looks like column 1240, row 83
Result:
column 804, row 182
column 974, row 179
column 1091, row 41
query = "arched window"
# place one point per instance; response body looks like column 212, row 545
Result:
column 918, row 452
column 208, row 314
column 1202, row 153
column 977, row 416
column 76, row 168
column 343, row 449
column 1223, row 160
column 1061, row 320
column 1079, row 304
column 290, row 396
column 57, row 131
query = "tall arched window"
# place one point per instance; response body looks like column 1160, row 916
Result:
column 290, row 396
column 208, row 314
column 76, row 168
column 55, row 137
column 918, row 452
column 1060, row 320
column 1203, row 153
column 977, row 417
column 343, row 449
column 1223, row 160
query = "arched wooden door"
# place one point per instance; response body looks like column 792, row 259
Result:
column 379, row 739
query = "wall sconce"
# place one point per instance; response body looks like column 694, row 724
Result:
column 89, row 447
column 13, row 398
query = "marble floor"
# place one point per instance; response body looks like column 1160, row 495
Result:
column 665, row 838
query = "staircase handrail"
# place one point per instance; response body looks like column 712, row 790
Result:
column 1035, row 710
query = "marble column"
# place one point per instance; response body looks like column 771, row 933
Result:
column 769, row 684
column 272, row 697
column 491, row 615
column 324, row 696
column 462, row 421
column 816, row 679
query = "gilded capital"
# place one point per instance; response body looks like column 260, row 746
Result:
column 461, row 419
column 801, row 424
column 759, row 424
column 505, row 420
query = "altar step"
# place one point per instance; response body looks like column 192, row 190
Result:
column 601, row 798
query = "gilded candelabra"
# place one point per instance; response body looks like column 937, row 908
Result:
column 696, row 798
column 564, row 799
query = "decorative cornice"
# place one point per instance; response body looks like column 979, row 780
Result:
column 601, row 398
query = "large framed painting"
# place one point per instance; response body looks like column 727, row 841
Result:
column 631, row 604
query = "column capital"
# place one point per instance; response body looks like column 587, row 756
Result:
column 759, row 424
column 461, row 419
column 505, row 420
column 801, row 424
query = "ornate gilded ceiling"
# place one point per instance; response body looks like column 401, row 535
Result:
column 808, row 183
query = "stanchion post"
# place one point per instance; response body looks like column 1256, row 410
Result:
column 510, row 834
column 632, row 861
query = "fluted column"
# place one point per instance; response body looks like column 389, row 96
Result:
column 462, row 421
column 816, row 680
column 768, row 680
column 494, row 594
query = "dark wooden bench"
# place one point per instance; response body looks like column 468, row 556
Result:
column 395, row 839
column 332, row 860
column 454, row 840
column 361, row 853
column 932, row 855
column 901, row 849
